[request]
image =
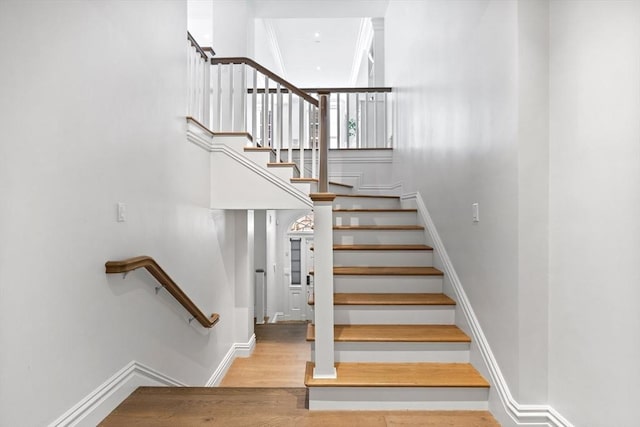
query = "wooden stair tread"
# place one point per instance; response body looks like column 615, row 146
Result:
column 281, row 165
column 386, row 271
column 374, row 210
column 394, row 333
column 316, row 180
column 382, row 248
column 259, row 149
column 399, row 375
column 378, row 196
column 391, row 299
column 378, row 227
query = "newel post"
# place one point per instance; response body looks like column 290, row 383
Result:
column 323, row 248
column 323, row 284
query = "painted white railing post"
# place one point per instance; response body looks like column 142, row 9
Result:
column 323, row 260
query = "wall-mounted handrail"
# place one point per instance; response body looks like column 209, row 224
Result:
column 165, row 280
column 270, row 74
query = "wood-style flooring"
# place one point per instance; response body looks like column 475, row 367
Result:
column 274, row 407
column 279, row 359
column 267, row 389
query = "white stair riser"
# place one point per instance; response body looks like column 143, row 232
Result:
column 366, row 203
column 399, row 352
column 387, row 284
column 393, row 314
column 339, row 189
column 375, row 218
column 284, row 173
column 304, row 187
column 383, row 258
column 378, row 237
column 259, row 157
column 398, row 398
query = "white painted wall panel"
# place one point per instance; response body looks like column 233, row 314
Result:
column 594, row 202
column 92, row 114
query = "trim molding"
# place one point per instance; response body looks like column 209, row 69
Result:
column 277, row 315
column 522, row 414
column 381, row 189
column 236, row 350
column 118, row 382
column 100, row 395
column 196, row 136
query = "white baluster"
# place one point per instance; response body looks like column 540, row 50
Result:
column 242, row 97
column 365, row 126
column 358, row 121
column 301, row 136
column 278, row 134
column 254, row 106
column 385, row 135
column 232, row 115
column 265, row 112
column 337, row 124
column 312, row 133
column 290, row 128
column 206, row 101
column 219, row 100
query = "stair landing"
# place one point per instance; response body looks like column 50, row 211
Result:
column 205, row 406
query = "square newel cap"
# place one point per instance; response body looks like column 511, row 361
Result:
column 322, row 197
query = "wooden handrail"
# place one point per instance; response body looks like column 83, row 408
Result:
column 273, row 76
column 333, row 90
column 195, row 44
column 163, row 278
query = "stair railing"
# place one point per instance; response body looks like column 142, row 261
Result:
column 198, row 82
column 249, row 97
column 127, row 265
column 360, row 118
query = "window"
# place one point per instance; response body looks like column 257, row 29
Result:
column 304, row 223
column 296, row 267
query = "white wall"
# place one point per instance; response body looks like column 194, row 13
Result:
column 454, row 67
column 531, row 109
column 91, row 114
column 233, row 28
column 594, row 207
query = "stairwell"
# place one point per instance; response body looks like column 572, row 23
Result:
column 396, row 342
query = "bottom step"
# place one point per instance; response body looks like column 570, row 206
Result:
column 216, row 406
column 395, row 386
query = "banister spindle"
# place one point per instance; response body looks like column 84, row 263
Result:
column 358, row 121
column 278, row 129
column 301, row 136
column 265, row 111
column 290, row 130
column 219, row 96
column 232, row 116
column 312, row 139
column 254, row 106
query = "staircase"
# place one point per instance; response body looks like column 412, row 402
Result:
column 396, row 344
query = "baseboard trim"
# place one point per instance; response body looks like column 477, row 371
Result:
column 522, row 414
column 276, row 316
column 106, row 397
column 100, row 396
column 236, row 350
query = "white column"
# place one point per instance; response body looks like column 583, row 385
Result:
column 323, row 284
column 244, row 275
column 378, row 51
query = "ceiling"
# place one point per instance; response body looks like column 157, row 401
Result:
column 316, row 52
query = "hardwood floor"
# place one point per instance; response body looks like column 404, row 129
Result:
column 279, row 359
column 248, row 407
column 267, row 389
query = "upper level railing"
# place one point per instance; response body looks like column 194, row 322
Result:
column 239, row 95
column 165, row 280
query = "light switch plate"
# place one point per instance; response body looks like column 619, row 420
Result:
column 122, row 212
column 475, row 212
